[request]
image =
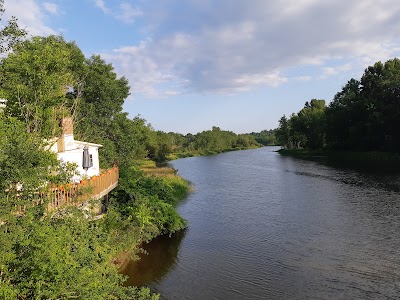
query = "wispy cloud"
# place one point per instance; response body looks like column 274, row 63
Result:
column 30, row 17
column 102, row 5
column 124, row 11
column 127, row 13
column 52, row 8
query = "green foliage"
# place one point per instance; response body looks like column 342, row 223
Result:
column 10, row 34
column 306, row 129
column 63, row 255
column 210, row 142
column 147, row 202
column 102, row 97
column 180, row 187
column 24, row 164
column 160, row 145
column 36, row 76
column 130, row 137
column 44, row 256
column 311, row 122
column 99, row 116
column 59, row 258
column 363, row 116
column 265, row 137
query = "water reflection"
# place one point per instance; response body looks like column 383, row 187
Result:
column 159, row 258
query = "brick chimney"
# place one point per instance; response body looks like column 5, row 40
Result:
column 66, row 142
column 67, row 125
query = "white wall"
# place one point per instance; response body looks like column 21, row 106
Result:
column 76, row 156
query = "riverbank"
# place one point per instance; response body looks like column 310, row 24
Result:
column 368, row 160
column 178, row 155
column 144, row 207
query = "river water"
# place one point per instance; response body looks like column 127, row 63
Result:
column 263, row 226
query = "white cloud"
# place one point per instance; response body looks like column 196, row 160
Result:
column 230, row 46
column 30, row 17
column 128, row 13
column 337, row 69
column 124, row 12
column 52, row 8
column 102, row 5
column 146, row 75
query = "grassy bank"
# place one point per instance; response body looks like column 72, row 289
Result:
column 180, row 187
column 142, row 208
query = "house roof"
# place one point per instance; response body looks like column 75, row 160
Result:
column 88, row 144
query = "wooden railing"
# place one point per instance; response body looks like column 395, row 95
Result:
column 77, row 193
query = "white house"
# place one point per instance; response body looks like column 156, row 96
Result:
column 70, row 150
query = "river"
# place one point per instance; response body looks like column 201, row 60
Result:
column 263, row 226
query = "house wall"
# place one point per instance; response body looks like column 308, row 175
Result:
column 76, row 156
column 70, row 150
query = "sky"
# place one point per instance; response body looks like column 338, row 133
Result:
column 236, row 64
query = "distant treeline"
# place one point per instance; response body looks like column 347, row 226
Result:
column 212, row 141
column 173, row 145
column 265, row 137
column 363, row 116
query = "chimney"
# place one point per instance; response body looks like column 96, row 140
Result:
column 67, row 126
column 66, row 142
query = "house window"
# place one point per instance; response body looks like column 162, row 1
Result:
column 91, row 160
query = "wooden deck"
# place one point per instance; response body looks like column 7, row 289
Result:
column 78, row 193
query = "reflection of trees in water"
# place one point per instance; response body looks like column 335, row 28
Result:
column 161, row 256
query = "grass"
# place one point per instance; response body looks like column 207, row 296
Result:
column 149, row 167
column 180, row 186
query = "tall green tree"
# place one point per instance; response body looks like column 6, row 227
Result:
column 364, row 115
column 311, row 123
column 36, row 79
column 283, row 133
column 346, row 118
column 102, row 98
column 381, row 92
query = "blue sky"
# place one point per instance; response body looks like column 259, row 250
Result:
column 236, row 64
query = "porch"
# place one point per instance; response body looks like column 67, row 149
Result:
column 78, row 194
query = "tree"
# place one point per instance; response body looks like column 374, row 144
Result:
column 364, row 115
column 36, row 79
column 312, row 124
column 283, row 133
column 130, row 137
column 306, row 129
column 380, row 89
column 102, row 99
column 346, row 117
column 25, row 165
column 265, row 137
column 10, row 34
